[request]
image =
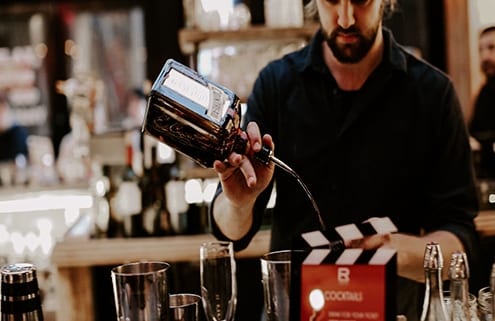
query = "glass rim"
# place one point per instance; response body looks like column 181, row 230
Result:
column 134, row 268
column 191, row 299
column 219, row 243
column 281, row 256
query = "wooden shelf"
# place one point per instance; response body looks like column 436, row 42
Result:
column 181, row 248
column 485, row 223
column 190, row 38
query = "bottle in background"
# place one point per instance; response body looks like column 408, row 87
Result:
column 156, row 216
column 433, row 305
column 115, row 225
column 129, row 202
column 125, row 196
column 20, row 299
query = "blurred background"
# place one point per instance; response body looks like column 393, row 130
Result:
column 76, row 74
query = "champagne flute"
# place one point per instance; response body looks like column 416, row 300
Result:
column 218, row 280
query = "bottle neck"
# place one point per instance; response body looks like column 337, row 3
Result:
column 459, row 300
column 240, row 145
column 459, row 290
column 434, row 305
column 128, row 155
column 434, row 282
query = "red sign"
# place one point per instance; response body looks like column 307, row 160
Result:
column 343, row 292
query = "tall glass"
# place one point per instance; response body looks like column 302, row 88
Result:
column 218, row 280
column 141, row 291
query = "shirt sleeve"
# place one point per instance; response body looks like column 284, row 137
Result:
column 452, row 188
column 256, row 113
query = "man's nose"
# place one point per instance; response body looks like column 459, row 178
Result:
column 346, row 14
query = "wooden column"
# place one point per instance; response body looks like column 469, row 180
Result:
column 458, row 43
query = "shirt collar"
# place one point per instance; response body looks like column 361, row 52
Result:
column 394, row 56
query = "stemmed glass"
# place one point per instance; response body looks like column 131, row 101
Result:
column 218, row 280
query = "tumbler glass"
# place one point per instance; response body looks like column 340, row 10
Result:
column 275, row 277
column 184, row 307
column 485, row 304
column 141, row 291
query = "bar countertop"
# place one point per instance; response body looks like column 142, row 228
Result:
column 74, row 257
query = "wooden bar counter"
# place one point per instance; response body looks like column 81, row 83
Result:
column 74, row 258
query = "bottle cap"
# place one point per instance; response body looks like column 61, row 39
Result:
column 19, row 288
column 459, row 268
column 18, row 273
column 433, row 258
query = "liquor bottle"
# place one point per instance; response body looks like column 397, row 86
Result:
column 195, row 116
column 115, row 224
column 20, row 299
column 460, row 309
column 127, row 203
column 433, row 305
column 202, row 120
column 156, row 217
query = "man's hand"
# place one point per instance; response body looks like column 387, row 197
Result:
column 371, row 242
column 242, row 177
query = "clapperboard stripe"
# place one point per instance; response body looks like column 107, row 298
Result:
column 329, row 247
column 375, row 225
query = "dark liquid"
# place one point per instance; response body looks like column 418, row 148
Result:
column 289, row 170
column 217, row 290
column 189, row 133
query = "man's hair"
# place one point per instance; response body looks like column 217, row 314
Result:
column 311, row 9
column 487, row 30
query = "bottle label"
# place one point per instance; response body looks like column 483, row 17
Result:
column 210, row 97
column 127, row 202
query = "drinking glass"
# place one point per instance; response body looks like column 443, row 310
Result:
column 473, row 304
column 184, row 307
column 218, row 280
column 275, row 277
column 485, row 304
column 141, row 291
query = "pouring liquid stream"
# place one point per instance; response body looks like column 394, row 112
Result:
column 290, row 171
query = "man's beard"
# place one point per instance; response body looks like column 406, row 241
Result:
column 350, row 53
column 488, row 68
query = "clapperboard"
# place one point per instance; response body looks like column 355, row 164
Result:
column 332, row 282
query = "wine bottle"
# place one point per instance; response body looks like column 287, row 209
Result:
column 128, row 203
column 433, row 305
column 20, row 299
column 156, row 217
column 115, row 224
